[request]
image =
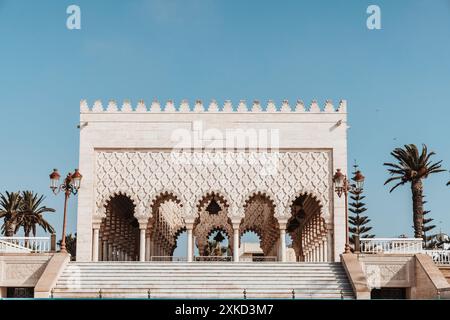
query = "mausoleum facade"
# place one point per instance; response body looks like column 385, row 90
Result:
column 153, row 172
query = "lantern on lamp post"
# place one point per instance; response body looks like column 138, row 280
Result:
column 70, row 185
column 343, row 187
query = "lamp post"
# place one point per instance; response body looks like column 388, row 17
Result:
column 70, row 185
column 343, row 187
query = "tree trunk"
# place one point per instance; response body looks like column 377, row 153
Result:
column 9, row 229
column 417, row 198
column 27, row 234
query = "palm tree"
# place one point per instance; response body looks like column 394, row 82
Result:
column 9, row 209
column 214, row 246
column 413, row 167
column 31, row 214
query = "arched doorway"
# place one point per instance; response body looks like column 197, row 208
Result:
column 119, row 231
column 250, row 247
column 307, row 229
column 164, row 227
column 259, row 217
column 178, row 251
column 212, row 217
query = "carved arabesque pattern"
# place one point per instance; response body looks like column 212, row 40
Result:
column 259, row 218
column 206, row 222
column 143, row 174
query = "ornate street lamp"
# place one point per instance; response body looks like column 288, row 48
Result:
column 71, row 185
column 343, row 187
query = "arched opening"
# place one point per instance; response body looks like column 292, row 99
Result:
column 218, row 245
column 291, row 255
column 164, row 228
column 307, row 229
column 212, row 218
column 259, row 218
column 119, row 231
column 250, row 247
column 178, row 251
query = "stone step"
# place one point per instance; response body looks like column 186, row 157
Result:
column 205, row 290
column 211, row 278
column 203, row 267
column 193, row 271
column 179, row 284
column 203, row 280
column 204, row 264
column 201, row 274
column 207, row 263
column 206, row 295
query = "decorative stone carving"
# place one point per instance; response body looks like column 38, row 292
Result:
column 142, row 174
column 387, row 274
column 139, row 210
column 184, row 107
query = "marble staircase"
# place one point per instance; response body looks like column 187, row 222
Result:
column 203, row 280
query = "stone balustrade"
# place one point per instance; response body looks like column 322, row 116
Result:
column 24, row 244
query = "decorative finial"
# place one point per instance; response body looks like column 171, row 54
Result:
column 141, row 106
column 314, row 107
column 98, row 107
column 84, row 107
column 126, row 106
column 329, row 106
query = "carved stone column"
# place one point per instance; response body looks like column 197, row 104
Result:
column 147, row 248
column 320, row 251
column 95, row 241
column 236, row 223
column 142, row 230
column 190, row 241
column 324, row 249
column 282, row 224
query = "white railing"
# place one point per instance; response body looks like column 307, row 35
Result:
column 7, row 247
column 213, row 258
column 439, row 256
column 24, row 244
column 391, row 245
column 258, row 259
column 167, row 259
column 403, row 245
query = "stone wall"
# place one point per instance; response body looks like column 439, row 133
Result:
column 417, row 273
column 22, row 270
column 388, row 271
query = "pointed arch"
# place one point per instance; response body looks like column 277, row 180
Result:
column 260, row 193
column 165, row 223
column 119, row 229
column 101, row 210
column 205, row 220
column 259, row 217
column 306, row 226
column 222, row 197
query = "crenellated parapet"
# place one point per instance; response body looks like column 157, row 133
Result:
column 212, row 107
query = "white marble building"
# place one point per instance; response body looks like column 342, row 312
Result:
column 152, row 172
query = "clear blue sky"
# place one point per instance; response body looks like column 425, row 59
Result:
column 396, row 80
